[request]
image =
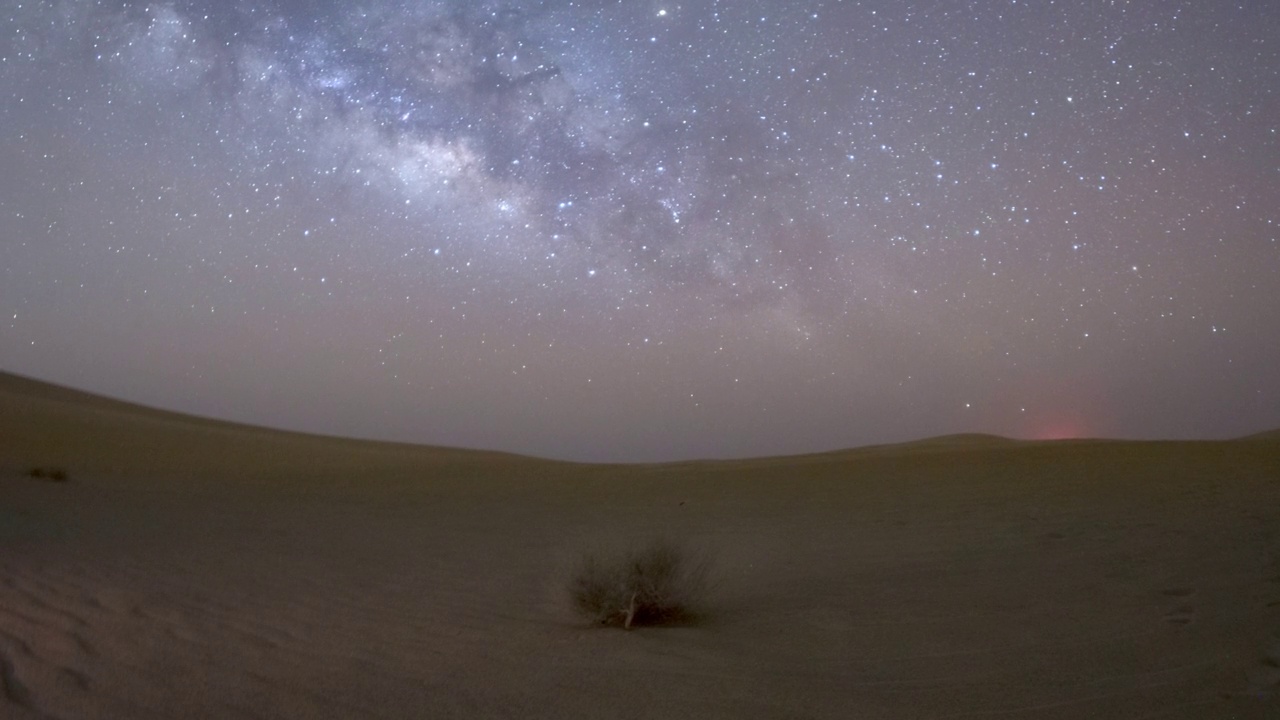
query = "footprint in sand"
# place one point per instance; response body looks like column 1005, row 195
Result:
column 1272, row 655
column 11, row 688
column 1182, row 614
column 1264, row 678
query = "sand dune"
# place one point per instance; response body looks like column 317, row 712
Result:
column 193, row 568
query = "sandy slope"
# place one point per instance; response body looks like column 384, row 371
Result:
column 198, row 569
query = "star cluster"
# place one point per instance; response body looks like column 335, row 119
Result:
column 649, row 230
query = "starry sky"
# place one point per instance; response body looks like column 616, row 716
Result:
column 649, row 230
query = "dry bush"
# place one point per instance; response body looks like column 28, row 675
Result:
column 653, row 584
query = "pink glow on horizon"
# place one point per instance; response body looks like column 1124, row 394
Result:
column 1059, row 430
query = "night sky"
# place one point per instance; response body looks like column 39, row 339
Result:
column 649, row 230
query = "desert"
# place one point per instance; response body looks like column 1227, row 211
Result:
column 193, row 568
column 454, row 359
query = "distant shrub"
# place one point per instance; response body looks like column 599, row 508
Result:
column 52, row 474
column 649, row 585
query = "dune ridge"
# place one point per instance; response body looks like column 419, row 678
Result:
column 195, row 568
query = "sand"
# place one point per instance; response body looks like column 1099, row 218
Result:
column 191, row 568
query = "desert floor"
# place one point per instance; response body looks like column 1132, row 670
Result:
column 190, row 568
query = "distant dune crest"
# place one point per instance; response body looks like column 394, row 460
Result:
column 20, row 392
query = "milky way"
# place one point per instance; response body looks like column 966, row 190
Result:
column 647, row 230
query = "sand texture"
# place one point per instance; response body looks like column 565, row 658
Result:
column 189, row 568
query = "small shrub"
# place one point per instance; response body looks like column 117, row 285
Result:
column 655, row 584
column 52, row 474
